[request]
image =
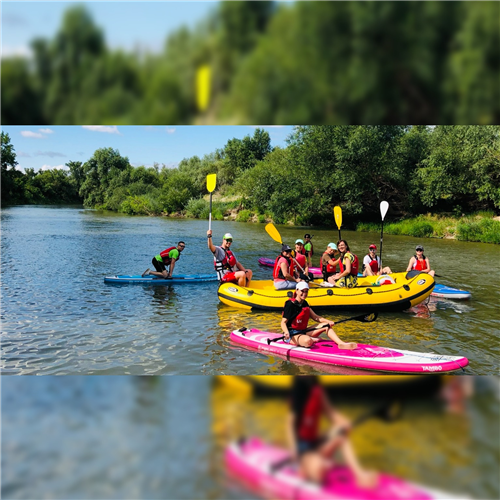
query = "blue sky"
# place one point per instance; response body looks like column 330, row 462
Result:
column 53, row 147
column 128, row 25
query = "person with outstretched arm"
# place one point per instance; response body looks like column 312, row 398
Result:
column 228, row 268
column 165, row 259
column 296, row 314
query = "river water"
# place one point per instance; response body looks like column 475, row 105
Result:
column 59, row 317
column 80, row 437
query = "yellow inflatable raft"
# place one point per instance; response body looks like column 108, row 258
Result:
column 408, row 290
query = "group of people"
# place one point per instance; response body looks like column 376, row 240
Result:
column 291, row 271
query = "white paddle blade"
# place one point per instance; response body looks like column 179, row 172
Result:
column 384, row 206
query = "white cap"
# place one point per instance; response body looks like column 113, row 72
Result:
column 302, row 285
column 228, row 236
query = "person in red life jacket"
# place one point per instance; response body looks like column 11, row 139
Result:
column 309, row 249
column 312, row 450
column 284, row 270
column 420, row 262
column 165, row 259
column 371, row 263
column 296, row 314
column 302, row 269
column 329, row 264
column 348, row 267
column 228, row 268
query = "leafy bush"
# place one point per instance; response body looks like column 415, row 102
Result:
column 197, row 208
column 484, row 230
column 243, row 216
column 261, row 218
column 140, row 205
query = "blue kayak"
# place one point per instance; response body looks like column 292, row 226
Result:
column 446, row 292
column 153, row 280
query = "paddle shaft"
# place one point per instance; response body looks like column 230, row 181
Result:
column 210, row 214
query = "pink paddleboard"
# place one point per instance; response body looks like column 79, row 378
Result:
column 251, row 463
column 368, row 357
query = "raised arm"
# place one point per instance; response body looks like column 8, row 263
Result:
column 211, row 246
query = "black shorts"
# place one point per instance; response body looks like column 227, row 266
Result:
column 304, row 446
column 159, row 266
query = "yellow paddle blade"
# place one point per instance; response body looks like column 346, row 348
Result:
column 273, row 232
column 203, row 78
column 337, row 212
column 211, row 181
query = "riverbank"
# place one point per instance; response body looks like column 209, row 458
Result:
column 481, row 227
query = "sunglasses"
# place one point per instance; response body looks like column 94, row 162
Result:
column 182, row 246
column 229, row 241
column 419, row 250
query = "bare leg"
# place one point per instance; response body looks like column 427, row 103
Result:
column 364, row 478
column 342, row 345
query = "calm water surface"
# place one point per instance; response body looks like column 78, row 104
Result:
column 81, row 437
column 59, row 317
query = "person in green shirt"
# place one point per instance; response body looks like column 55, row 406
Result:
column 165, row 259
column 308, row 247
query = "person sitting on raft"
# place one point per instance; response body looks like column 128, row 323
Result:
column 299, row 254
column 296, row 314
column 312, row 450
column 420, row 262
column 372, row 263
column 165, row 259
column 228, row 268
column 329, row 264
column 284, row 270
column 347, row 278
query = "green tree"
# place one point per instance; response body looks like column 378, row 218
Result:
column 100, row 170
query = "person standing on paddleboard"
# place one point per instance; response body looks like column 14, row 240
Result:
column 313, row 451
column 372, row 263
column 420, row 262
column 296, row 314
column 228, row 268
column 165, row 259
column 308, row 247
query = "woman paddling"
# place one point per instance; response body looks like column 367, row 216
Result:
column 312, row 450
column 296, row 315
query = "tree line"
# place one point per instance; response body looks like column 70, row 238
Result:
column 417, row 169
column 274, row 63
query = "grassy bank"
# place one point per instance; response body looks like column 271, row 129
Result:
column 483, row 227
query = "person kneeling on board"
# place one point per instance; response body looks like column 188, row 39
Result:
column 296, row 314
column 165, row 259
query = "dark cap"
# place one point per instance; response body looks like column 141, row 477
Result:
column 419, row 247
column 307, row 235
column 285, row 248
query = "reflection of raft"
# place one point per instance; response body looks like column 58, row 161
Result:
column 408, row 290
column 251, row 462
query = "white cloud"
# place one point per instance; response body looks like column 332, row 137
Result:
column 29, row 133
column 102, row 128
column 54, row 167
column 170, row 130
column 46, row 130
column 18, row 51
column 22, row 154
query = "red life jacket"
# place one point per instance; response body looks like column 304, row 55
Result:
column 301, row 260
column 226, row 264
column 164, row 255
column 277, row 272
column 328, row 269
column 300, row 321
column 419, row 265
column 308, row 422
column 354, row 265
column 374, row 264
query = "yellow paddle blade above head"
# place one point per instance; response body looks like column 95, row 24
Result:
column 337, row 212
column 211, row 181
column 273, row 232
